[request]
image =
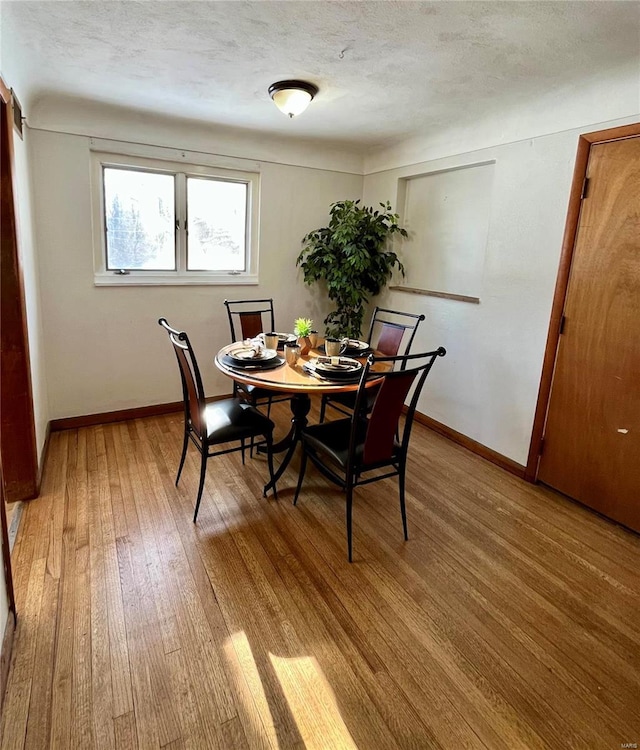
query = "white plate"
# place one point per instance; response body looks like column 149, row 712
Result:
column 346, row 367
column 355, row 345
column 251, row 354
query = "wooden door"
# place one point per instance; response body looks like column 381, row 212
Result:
column 592, row 438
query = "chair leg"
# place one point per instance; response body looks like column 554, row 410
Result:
column 269, row 402
column 185, row 445
column 323, row 408
column 243, row 448
column 269, row 439
column 349, row 506
column 253, row 402
column 403, row 509
column 303, row 468
column 203, row 471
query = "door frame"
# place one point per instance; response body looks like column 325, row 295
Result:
column 21, row 458
column 6, row 638
column 585, row 142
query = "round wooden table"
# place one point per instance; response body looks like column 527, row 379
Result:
column 299, row 384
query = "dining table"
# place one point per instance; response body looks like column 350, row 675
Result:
column 301, row 381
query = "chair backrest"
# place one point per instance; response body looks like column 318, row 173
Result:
column 192, row 389
column 382, row 424
column 392, row 332
column 249, row 317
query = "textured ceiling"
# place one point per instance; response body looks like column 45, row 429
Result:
column 386, row 70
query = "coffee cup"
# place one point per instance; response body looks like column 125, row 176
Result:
column 271, row 340
column 334, row 347
column 291, row 354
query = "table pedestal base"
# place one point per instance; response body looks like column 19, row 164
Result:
column 300, row 406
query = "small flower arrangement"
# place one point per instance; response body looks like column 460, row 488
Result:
column 303, row 327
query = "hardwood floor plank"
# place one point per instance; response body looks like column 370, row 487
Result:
column 26, row 632
column 508, row 620
column 124, row 729
column 101, row 683
column 40, row 707
column 13, row 729
column 81, row 684
column 108, row 487
column 62, row 697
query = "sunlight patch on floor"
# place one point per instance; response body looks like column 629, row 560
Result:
column 312, row 703
column 240, row 658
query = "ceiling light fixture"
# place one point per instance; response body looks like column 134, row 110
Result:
column 292, row 97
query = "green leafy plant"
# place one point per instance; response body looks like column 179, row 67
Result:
column 353, row 258
column 303, row 326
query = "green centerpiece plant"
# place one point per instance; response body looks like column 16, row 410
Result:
column 302, row 327
column 354, row 258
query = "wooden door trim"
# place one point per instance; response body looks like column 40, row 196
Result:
column 585, row 141
column 23, row 483
column 6, row 638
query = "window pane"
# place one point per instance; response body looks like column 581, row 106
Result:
column 140, row 216
column 216, row 223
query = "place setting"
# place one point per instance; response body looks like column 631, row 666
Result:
column 336, row 368
column 252, row 355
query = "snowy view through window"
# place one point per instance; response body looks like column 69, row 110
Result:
column 216, row 224
column 141, row 219
column 140, row 216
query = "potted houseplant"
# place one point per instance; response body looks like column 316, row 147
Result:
column 302, row 329
column 352, row 256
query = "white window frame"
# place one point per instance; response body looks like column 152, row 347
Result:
column 180, row 276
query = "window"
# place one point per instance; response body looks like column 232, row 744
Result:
column 166, row 223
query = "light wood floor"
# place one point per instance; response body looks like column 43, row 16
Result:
column 509, row 620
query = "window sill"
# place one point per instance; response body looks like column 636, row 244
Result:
column 157, row 279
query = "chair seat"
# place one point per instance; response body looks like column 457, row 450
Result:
column 234, row 419
column 332, row 439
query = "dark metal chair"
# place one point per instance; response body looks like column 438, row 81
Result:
column 247, row 319
column 360, row 444
column 210, row 424
column 389, row 330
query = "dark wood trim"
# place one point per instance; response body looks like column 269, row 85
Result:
column 5, row 92
column 17, row 426
column 562, row 282
column 613, row 134
column 16, row 115
column 7, row 636
column 432, row 293
column 138, row 412
column 5, row 654
column 473, row 445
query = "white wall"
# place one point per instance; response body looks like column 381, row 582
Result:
column 104, row 349
column 487, row 385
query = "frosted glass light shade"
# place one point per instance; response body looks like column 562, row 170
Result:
column 292, row 97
